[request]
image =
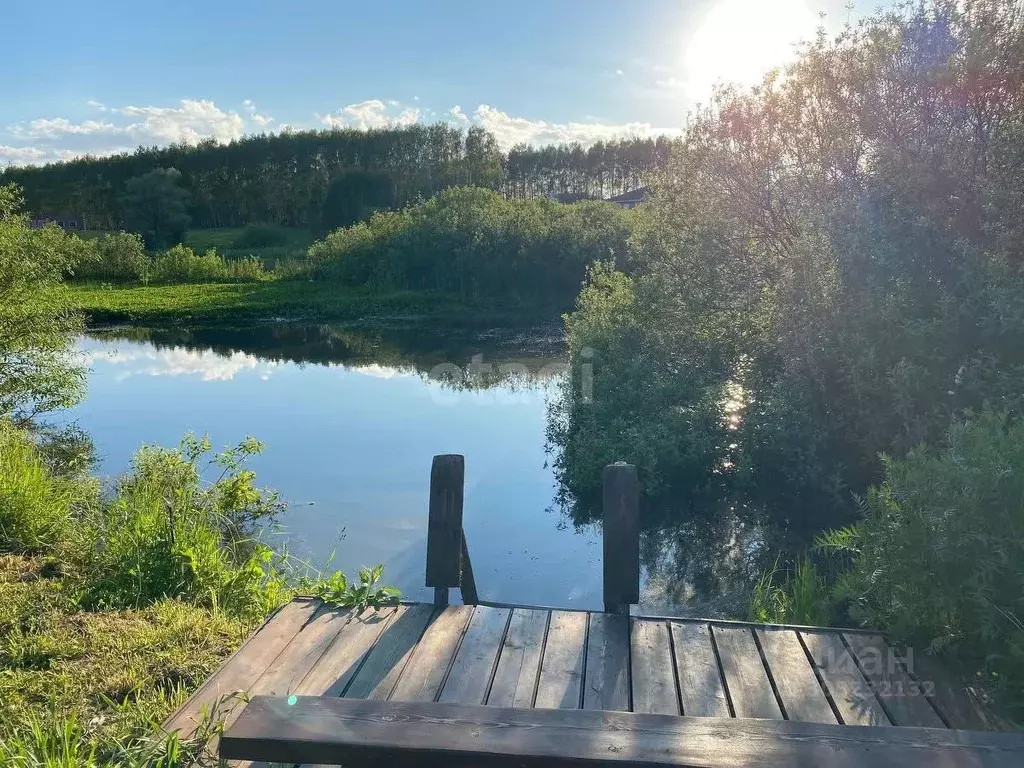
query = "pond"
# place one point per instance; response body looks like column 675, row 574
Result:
column 351, row 419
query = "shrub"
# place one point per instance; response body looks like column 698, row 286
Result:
column 261, row 236
column 167, row 534
column 119, row 257
column 939, row 556
column 475, row 243
column 181, row 264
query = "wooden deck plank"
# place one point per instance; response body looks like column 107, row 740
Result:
column 801, row 694
column 654, row 682
column 424, row 674
column 305, row 649
column 406, row 735
column 606, row 678
column 949, row 695
column 473, row 667
column 850, row 692
column 246, row 665
column 900, row 695
column 382, row 668
column 515, row 679
column 700, row 679
column 745, row 677
column 376, row 678
column 561, row 669
column 337, row 665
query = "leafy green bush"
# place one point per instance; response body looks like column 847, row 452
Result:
column 261, row 236
column 939, row 556
column 181, row 264
column 118, row 257
column 475, row 243
column 167, row 534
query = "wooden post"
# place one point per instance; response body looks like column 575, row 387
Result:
column 444, row 525
column 621, row 508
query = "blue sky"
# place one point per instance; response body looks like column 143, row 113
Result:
column 106, row 76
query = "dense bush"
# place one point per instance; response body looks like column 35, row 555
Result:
column 475, row 243
column 116, row 257
column 181, row 264
column 939, row 555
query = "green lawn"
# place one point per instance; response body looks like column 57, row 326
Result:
column 231, row 302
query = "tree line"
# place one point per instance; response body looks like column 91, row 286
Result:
column 285, row 178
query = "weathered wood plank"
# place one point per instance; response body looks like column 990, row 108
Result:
column 444, row 521
column 953, row 700
column 606, row 678
column 850, row 692
column 515, row 679
column 403, row 735
column 467, row 581
column 474, row 663
column 337, row 665
column 301, row 655
column 900, row 695
column 424, row 674
column 700, row 679
column 561, row 669
column 621, row 537
column 244, row 668
column 382, row 668
column 654, row 683
column 802, row 696
column 745, row 676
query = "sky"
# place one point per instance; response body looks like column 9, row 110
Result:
column 109, row 75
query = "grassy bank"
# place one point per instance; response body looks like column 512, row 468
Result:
column 91, row 687
column 209, row 303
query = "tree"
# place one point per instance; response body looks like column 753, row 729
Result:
column 155, row 205
column 354, row 195
column 38, row 370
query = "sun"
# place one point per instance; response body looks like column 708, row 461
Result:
column 740, row 40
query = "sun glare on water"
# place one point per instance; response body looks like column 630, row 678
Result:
column 740, row 40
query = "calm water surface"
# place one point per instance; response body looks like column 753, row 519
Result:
column 351, row 420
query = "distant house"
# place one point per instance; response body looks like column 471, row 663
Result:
column 69, row 222
column 631, row 199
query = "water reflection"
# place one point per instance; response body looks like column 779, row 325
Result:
column 352, row 418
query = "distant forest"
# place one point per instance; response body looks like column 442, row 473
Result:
column 283, row 179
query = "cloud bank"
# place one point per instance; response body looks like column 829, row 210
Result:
column 117, row 129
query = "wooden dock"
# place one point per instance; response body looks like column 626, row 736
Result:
column 555, row 659
column 506, row 658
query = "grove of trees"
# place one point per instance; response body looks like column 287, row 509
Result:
column 285, row 179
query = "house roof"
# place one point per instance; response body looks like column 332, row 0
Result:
column 632, row 196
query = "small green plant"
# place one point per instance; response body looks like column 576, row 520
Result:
column 796, row 596
column 336, row 590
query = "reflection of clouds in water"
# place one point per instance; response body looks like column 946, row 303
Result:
column 178, row 361
column 378, row 371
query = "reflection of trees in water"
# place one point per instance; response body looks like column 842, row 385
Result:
column 703, row 557
column 508, row 357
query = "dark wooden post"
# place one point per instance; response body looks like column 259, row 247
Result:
column 444, row 525
column 621, row 537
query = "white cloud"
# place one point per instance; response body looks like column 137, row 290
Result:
column 52, row 128
column 372, row 113
column 261, row 120
column 191, row 122
column 458, row 114
column 97, row 105
column 671, row 84
column 619, row 72
column 509, row 130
